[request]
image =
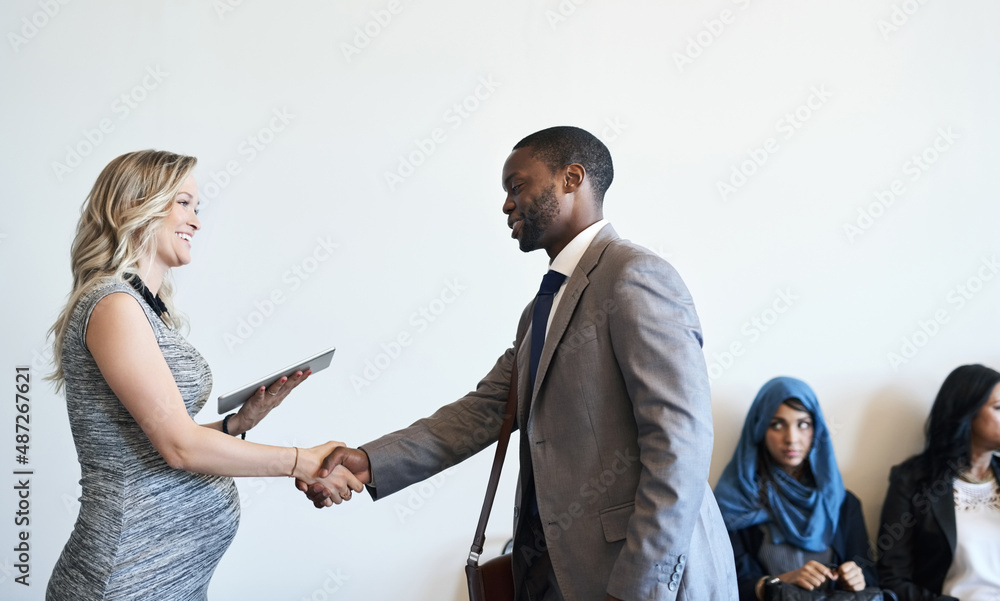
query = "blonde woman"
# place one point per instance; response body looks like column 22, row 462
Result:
column 158, row 508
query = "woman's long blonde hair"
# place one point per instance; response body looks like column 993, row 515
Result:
column 118, row 227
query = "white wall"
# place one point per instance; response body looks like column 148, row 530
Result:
column 869, row 96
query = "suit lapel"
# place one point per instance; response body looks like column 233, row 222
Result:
column 575, row 286
column 943, row 508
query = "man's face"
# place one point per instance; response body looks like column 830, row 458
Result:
column 535, row 212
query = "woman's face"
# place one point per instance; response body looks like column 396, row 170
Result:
column 173, row 240
column 986, row 424
column 789, row 437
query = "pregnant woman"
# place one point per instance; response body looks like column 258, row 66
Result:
column 158, row 508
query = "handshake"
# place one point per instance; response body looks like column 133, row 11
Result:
column 341, row 472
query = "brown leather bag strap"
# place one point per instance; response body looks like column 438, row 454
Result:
column 491, row 491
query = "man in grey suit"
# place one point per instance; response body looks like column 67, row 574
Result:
column 613, row 404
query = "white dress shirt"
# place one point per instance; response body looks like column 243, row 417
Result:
column 569, row 257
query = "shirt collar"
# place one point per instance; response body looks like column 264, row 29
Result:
column 569, row 257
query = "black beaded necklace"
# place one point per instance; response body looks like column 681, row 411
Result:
column 154, row 302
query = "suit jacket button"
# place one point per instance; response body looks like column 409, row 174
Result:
column 672, row 586
column 515, row 512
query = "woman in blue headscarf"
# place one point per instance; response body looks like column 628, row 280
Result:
column 784, row 502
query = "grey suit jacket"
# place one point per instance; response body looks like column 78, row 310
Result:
column 620, row 427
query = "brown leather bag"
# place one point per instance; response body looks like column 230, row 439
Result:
column 491, row 581
column 494, row 579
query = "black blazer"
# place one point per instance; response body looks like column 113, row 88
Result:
column 850, row 543
column 916, row 540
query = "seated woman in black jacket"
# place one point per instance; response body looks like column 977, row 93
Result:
column 940, row 532
column 784, row 502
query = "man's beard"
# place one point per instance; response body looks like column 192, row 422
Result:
column 543, row 211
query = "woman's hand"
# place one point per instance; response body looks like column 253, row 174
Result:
column 851, row 578
column 263, row 401
column 340, row 482
column 810, row 576
column 353, row 460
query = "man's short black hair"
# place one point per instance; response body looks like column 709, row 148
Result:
column 565, row 145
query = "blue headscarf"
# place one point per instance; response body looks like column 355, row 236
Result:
column 800, row 515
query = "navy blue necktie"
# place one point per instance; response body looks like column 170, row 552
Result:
column 551, row 283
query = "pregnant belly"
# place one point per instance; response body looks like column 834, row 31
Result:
column 163, row 531
column 179, row 507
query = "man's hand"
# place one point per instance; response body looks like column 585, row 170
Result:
column 810, row 576
column 339, row 483
column 851, row 577
column 355, row 460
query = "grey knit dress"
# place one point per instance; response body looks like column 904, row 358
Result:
column 145, row 531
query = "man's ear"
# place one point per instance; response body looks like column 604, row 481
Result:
column 573, row 177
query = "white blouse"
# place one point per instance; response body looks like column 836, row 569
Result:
column 974, row 574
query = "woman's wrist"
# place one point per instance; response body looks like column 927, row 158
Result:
column 244, row 424
column 233, row 427
column 302, row 469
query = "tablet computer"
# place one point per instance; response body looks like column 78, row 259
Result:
column 232, row 400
